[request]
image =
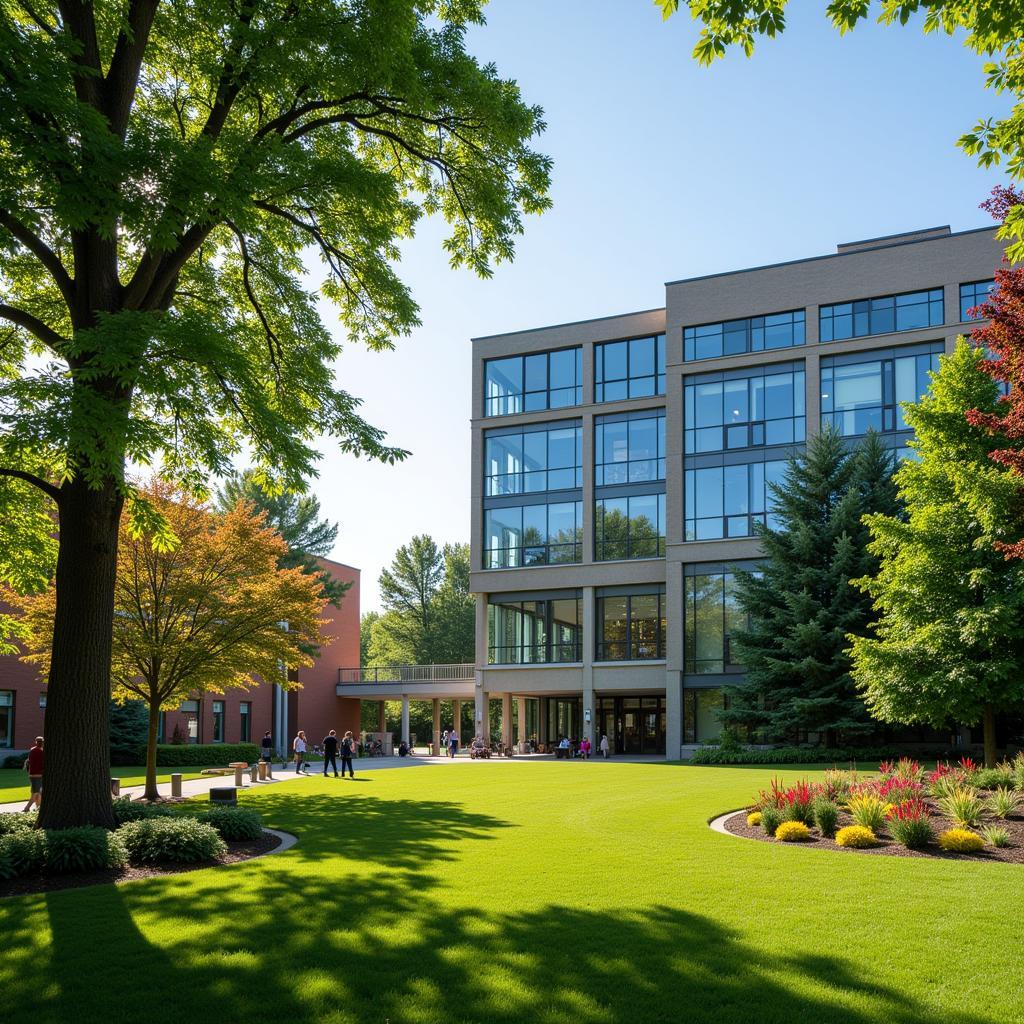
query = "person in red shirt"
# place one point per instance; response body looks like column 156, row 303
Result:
column 34, row 767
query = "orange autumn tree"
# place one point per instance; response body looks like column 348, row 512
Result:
column 212, row 611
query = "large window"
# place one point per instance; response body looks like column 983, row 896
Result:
column 519, row 535
column 726, row 501
column 631, row 627
column 860, row 394
column 544, row 380
column 629, row 369
column 630, row 527
column 190, row 709
column 532, row 630
column 974, row 294
column 712, row 615
column 6, row 718
column 218, row 721
column 701, row 707
column 532, row 459
column 883, row 315
column 629, row 449
column 755, row 334
column 728, row 412
column 245, row 718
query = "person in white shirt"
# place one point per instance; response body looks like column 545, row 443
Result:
column 299, row 748
column 604, row 747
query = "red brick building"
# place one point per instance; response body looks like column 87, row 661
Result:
column 235, row 716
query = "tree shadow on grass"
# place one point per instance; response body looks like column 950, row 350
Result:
column 370, row 949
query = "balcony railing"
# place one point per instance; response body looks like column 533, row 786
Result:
column 408, row 674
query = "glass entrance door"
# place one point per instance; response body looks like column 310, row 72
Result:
column 633, row 725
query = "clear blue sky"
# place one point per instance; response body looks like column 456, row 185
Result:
column 663, row 170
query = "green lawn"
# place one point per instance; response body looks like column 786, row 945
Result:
column 523, row 892
column 14, row 782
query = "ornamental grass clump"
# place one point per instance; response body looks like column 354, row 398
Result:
column 826, row 815
column 1018, row 771
column 837, row 783
column 797, row 802
column 856, row 837
column 963, row 805
column 994, row 778
column 905, row 769
column 910, row 824
column 1004, row 802
column 961, row 840
column 944, row 780
column 868, row 811
column 996, row 835
column 792, row 832
column 771, row 818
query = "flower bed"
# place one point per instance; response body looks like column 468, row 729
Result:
column 958, row 810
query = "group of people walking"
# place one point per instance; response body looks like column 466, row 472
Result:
column 331, row 747
column 450, row 741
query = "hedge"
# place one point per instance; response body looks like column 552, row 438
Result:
column 172, row 840
column 179, row 755
column 802, row 755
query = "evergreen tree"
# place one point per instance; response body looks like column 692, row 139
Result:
column 801, row 605
column 949, row 645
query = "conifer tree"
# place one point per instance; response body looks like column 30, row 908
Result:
column 801, row 605
column 949, row 644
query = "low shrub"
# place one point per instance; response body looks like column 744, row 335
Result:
column 235, row 824
column 178, row 755
column 22, row 853
column 905, row 769
column 754, row 819
column 87, row 848
column 945, row 779
column 792, row 832
column 993, row 778
column 963, row 805
column 910, row 824
column 961, row 840
column 996, row 835
column 12, row 821
column 856, row 837
column 13, row 761
column 134, row 810
column 713, row 754
column 826, row 816
column 868, row 811
column 771, row 818
column 1003, row 802
column 176, row 839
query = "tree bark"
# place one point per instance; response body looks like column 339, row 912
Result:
column 154, row 723
column 77, row 776
column 989, row 726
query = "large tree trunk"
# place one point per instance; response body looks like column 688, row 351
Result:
column 989, row 727
column 152, row 793
column 77, row 774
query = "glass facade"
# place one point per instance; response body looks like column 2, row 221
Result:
column 907, row 312
column 629, row 527
column 974, row 294
column 755, row 334
column 543, row 380
column 760, row 407
column 6, row 718
column 218, row 721
column 245, row 722
column 630, row 627
column 629, row 449
column 726, row 501
column 629, row 369
column 546, row 534
column 633, row 725
column 864, row 391
column 532, row 459
column 700, row 714
column 525, row 630
column 711, row 615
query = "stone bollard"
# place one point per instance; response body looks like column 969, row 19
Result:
column 263, row 771
column 176, row 785
column 238, row 776
column 270, row 770
column 254, row 773
column 115, row 787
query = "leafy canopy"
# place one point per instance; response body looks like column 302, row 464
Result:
column 993, row 29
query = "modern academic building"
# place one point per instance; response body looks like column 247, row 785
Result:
column 619, row 466
column 235, row 716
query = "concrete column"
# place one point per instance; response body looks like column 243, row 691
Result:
column 263, row 770
column 542, row 725
column 239, row 782
column 506, row 719
column 435, row 747
column 521, row 723
column 589, row 646
column 405, row 719
column 480, row 708
column 674, row 660
column 254, row 772
column 176, row 785
column 382, row 719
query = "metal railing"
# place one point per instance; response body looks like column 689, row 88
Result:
column 408, row 674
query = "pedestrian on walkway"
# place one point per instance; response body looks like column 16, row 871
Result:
column 604, row 746
column 299, row 749
column 266, row 747
column 453, row 742
column 446, row 743
column 330, row 752
column 347, row 750
column 34, row 767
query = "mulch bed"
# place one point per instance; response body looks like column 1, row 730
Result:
column 888, row 847
column 49, row 883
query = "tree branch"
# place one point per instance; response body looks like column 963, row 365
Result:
column 42, row 252
column 81, row 25
column 36, row 481
column 47, row 335
column 273, row 342
column 123, row 75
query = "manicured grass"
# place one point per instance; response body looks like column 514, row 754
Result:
column 14, row 782
column 517, row 892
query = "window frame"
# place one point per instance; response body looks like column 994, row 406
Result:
column 748, row 327
column 973, row 285
column 546, row 547
column 521, row 399
column 629, row 644
column 658, row 376
column 520, row 476
column 661, row 447
column 9, row 706
column 601, row 543
column 936, row 297
column 550, row 644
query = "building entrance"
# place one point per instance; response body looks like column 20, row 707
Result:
column 633, row 725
